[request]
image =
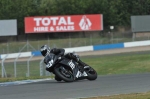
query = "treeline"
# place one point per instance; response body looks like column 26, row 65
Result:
column 115, row 12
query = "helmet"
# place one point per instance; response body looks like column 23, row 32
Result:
column 45, row 50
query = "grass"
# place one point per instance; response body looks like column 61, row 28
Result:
column 121, row 64
column 104, row 65
column 124, row 96
column 22, row 69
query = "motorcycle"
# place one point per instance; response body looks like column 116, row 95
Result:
column 68, row 70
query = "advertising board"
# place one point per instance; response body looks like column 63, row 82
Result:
column 140, row 23
column 8, row 27
column 41, row 24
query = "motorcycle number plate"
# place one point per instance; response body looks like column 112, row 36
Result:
column 50, row 63
column 71, row 64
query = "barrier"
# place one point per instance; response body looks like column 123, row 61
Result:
column 138, row 43
column 79, row 49
column 14, row 55
column 108, row 46
column 84, row 48
column 74, row 49
column 36, row 53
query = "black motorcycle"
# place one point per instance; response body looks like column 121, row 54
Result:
column 69, row 70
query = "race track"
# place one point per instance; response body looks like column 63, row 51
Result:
column 104, row 85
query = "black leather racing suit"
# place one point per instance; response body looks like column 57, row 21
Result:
column 61, row 53
column 55, row 51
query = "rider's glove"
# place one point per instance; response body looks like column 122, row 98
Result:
column 59, row 56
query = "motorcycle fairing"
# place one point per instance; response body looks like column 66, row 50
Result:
column 72, row 65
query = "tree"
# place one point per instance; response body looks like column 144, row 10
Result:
column 115, row 12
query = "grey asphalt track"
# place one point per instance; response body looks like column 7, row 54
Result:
column 104, row 85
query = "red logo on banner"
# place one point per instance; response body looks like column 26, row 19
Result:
column 63, row 23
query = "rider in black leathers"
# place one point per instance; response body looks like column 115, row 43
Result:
column 45, row 50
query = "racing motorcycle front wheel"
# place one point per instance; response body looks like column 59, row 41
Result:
column 57, row 78
column 64, row 73
column 92, row 74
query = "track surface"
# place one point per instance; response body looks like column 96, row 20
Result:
column 104, row 85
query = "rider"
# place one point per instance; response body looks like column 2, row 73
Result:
column 45, row 51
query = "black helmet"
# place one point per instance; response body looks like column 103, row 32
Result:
column 45, row 50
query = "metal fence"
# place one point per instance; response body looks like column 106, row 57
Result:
column 22, row 67
column 70, row 41
column 28, row 67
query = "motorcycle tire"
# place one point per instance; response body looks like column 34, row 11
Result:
column 57, row 78
column 60, row 73
column 92, row 74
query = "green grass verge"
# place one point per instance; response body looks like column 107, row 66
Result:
column 120, row 64
column 124, row 96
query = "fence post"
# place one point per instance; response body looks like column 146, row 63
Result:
column 48, row 41
column 28, row 65
column 3, row 68
column 15, row 71
column 91, row 39
column 7, row 47
column 70, row 40
column 41, row 67
column 133, row 36
column 27, row 45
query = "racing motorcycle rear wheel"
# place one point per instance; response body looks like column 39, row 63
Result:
column 92, row 74
column 64, row 73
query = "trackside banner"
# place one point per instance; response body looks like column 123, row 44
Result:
column 41, row 24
